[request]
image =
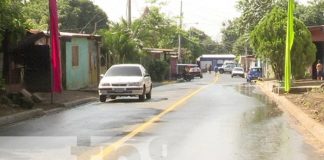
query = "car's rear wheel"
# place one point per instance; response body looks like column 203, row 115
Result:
column 148, row 95
column 102, row 98
column 142, row 97
column 113, row 97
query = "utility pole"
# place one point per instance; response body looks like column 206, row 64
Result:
column 179, row 36
column 129, row 13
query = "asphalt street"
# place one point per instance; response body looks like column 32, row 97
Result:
column 216, row 117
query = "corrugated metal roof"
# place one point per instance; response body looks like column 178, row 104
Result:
column 67, row 34
column 63, row 34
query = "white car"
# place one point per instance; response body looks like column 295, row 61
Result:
column 125, row 80
column 238, row 71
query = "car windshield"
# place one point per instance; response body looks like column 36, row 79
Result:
column 238, row 69
column 124, row 71
column 255, row 69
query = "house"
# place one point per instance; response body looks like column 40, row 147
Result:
column 318, row 39
column 30, row 65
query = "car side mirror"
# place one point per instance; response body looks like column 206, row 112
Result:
column 147, row 75
column 101, row 76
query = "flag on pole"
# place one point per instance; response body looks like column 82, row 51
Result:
column 289, row 43
column 55, row 48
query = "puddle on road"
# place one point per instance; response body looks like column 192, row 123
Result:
column 266, row 134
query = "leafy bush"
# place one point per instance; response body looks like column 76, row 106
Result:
column 269, row 43
column 158, row 70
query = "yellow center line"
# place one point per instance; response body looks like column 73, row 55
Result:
column 108, row 150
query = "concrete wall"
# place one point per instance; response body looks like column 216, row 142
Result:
column 77, row 77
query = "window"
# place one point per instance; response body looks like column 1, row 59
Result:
column 124, row 71
column 75, row 56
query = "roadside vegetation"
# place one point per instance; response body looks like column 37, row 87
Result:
column 126, row 43
column 269, row 42
column 261, row 30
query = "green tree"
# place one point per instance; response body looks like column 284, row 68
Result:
column 119, row 42
column 242, row 46
column 235, row 31
column 155, row 30
column 74, row 15
column 12, row 28
column 158, row 70
column 230, row 33
column 268, row 41
column 313, row 13
column 12, row 22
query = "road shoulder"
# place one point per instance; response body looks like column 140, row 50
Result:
column 314, row 127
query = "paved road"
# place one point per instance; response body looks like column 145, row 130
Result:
column 202, row 119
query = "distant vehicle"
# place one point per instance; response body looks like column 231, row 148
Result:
column 226, row 68
column 229, row 63
column 254, row 73
column 125, row 80
column 195, row 72
column 183, row 71
column 206, row 60
column 238, row 71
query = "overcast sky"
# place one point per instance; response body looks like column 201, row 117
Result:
column 206, row 15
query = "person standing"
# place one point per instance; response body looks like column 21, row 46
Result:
column 215, row 69
column 319, row 70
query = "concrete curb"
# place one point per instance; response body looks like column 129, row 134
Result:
column 79, row 102
column 41, row 112
column 315, row 128
column 21, row 116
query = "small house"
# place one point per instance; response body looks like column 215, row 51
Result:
column 318, row 39
column 30, row 65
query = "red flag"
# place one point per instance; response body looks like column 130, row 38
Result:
column 55, row 48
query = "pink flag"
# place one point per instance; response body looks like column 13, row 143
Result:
column 55, row 48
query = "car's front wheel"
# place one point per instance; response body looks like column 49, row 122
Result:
column 102, row 98
column 142, row 96
column 148, row 95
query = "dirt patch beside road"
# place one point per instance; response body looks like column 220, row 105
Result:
column 58, row 101
column 312, row 103
column 7, row 110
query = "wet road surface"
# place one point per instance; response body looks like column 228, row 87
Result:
column 228, row 120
